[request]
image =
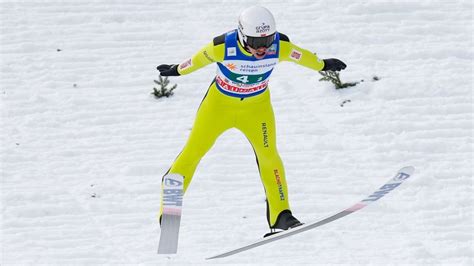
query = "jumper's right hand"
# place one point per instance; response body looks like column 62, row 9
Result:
column 168, row 70
column 333, row 64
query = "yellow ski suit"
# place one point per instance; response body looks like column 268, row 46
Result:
column 229, row 104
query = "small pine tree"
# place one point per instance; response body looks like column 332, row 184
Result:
column 163, row 90
column 333, row 76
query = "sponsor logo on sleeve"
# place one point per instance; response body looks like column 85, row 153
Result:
column 296, row 55
column 208, row 56
column 186, row 64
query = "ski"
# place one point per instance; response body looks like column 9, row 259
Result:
column 393, row 183
column 171, row 202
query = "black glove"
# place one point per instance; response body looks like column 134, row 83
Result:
column 333, row 64
column 168, row 70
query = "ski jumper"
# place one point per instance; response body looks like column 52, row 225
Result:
column 239, row 98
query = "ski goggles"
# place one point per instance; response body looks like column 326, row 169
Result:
column 258, row 42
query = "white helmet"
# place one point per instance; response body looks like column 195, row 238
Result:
column 256, row 27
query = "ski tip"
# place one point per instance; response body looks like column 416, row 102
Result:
column 409, row 170
column 172, row 176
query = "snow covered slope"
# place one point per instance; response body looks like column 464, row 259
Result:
column 84, row 144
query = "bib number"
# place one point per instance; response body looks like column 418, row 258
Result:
column 243, row 79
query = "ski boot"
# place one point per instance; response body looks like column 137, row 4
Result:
column 284, row 222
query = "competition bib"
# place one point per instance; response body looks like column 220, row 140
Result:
column 242, row 76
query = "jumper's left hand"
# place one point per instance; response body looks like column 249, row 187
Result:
column 168, row 70
column 333, row 64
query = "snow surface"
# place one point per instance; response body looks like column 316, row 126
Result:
column 84, row 144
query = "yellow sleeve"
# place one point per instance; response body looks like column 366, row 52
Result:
column 295, row 54
column 210, row 53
